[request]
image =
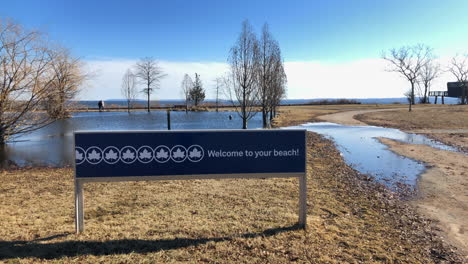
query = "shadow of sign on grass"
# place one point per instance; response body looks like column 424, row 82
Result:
column 35, row 249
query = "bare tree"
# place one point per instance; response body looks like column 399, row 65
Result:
column 186, row 85
column 278, row 86
column 270, row 74
column 26, row 78
column 408, row 61
column 150, row 74
column 217, row 89
column 241, row 82
column 128, row 88
column 68, row 75
column 459, row 68
column 429, row 72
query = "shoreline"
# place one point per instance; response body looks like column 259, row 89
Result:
column 350, row 218
column 441, row 188
column 439, row 192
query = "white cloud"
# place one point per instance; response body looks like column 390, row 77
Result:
column 306, row 79
column 358, row 79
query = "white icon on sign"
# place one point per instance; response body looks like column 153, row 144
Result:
column 178, row 153
column 145, row 154
column 161, row 154
column 195, row 153
column 79, row 155
column 128, row 154
column 94, row 155
column 111, row 155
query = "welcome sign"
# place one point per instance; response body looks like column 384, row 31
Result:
column 157, row 153
column 164, row 155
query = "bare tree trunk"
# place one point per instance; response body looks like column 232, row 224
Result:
column 148, row 92
column 425, row 94
column 2, row 136
column 217, row 96
column 244, row 106
column 265, row 117
column 411, row 96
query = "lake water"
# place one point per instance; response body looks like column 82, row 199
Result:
column 52, row 145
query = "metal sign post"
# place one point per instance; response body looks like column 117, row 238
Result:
column 103, row 156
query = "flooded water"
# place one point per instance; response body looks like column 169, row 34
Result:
column 362, row 150
column 52, row 145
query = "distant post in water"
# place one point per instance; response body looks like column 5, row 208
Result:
column 168, row 119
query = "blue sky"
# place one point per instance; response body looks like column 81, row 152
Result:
column 326, row 33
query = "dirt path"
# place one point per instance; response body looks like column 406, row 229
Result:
column 346, row 118
column 443, row 188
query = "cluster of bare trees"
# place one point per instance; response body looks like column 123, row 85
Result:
column 256, row 78
column 419, row 66
column 410, row 62
column 192, row 91
column 146, row 72
column 35, row 75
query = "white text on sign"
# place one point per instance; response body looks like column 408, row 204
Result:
column 252, row 153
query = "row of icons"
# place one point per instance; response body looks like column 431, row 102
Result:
column 144, row 154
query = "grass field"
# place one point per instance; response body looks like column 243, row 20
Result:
column 350, row 219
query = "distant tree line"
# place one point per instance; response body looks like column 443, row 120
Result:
column 35, row 75
column 418, row 65
column 333, row 102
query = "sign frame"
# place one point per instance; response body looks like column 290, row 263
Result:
column 80, row 181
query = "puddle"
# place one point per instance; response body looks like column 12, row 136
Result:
column 361, row 150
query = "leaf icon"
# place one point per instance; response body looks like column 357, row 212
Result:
column 178, row 154
column 161, row 154
column 78, row 155
column 145, row 154
column 111, row 155
column 94, row 155
column 128, row 155
column 195, row 153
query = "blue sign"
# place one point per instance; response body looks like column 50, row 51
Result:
column 165, row 153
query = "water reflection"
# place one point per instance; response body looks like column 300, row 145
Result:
column 52, row 145
column 362, row 150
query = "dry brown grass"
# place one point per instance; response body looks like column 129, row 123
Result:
column 429, row 117
column 292, row 115
column 350, row 219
